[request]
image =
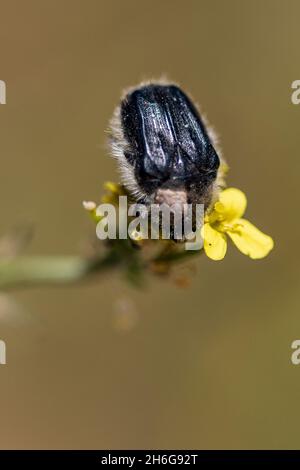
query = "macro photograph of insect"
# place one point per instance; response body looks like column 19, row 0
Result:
column 149, row 292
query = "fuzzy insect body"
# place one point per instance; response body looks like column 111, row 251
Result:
column 166, row 152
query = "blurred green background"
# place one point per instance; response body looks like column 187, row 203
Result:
column 103, row 365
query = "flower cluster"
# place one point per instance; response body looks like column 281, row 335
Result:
column 223, row 221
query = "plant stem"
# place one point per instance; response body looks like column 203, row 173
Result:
column 28, row 270
column 36, row 270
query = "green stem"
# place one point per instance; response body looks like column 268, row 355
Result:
column 35, row 270
column 28, row 270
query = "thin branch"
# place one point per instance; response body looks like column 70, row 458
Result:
column 37, row 270
column 34, row 270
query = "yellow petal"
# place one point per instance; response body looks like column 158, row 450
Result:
column 249, row 240
column 231, row 205
column 215, row 243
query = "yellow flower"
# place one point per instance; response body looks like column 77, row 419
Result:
column 226, row 219
column 113, row 191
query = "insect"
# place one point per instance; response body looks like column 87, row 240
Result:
column 165, row 151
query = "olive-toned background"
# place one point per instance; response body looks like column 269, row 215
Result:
column 104, row 365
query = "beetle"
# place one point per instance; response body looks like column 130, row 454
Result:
column 166, row 151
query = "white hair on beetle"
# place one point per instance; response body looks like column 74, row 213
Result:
column 118, row 145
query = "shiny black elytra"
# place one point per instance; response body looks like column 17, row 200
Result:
column 168, row 145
